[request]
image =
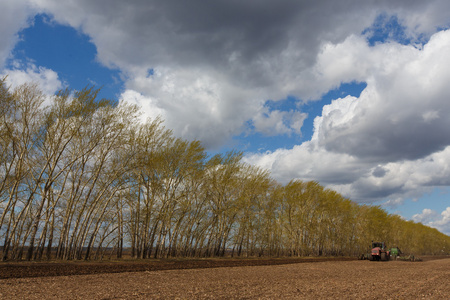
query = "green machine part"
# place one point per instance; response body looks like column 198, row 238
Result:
column 395, row 251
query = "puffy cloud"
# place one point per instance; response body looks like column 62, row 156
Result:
column 443, row 224
column 278, row 122
column 47, row 79
column 390, row 142
column 397, row 116
column 432, row 218
column 194, row 104
column 149, row 108
column 309, row 162
column 14, row 15
column 360, row 180
column 426, row 216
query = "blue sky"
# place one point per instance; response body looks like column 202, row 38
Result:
column 354, row 96
column 68, row 52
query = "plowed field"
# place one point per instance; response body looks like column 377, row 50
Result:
column 242, row 279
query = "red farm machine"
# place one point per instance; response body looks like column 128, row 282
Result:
column 379, row 252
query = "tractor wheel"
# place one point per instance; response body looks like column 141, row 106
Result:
column 383, row 257
column 370, row 257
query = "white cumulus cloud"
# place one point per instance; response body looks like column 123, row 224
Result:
column 388, row 143
column 278, row 122
column 47, row 80
column 433, row 219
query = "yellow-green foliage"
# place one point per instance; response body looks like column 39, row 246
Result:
column 84, row 179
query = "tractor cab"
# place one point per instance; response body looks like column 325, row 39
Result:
column 378, row 245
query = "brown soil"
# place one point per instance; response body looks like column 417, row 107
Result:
column 45, row 269
column 263, row 279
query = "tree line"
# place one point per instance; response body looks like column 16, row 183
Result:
column 82, row 178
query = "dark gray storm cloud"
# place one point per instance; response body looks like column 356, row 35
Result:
column 387, row 142
column 256, row 42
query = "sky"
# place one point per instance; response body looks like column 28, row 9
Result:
column 352, row 94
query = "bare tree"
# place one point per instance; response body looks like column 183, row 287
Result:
column 21, row 125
